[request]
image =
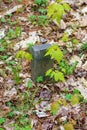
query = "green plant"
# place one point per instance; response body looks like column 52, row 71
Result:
column 75, row 41
column 3, row 20
column 14, row 34
column 26, row 100
column 1, row 128
column 4, row 57
column 16, row 71
column 56, row 11
column 10, row 114
column 2, row 120
column 33, row 19
column 40, row 2
column 39, row 79
column 27, row 127
column 65, row 37
column 66, row 68
column 55, row 106
column 19, row 1
column 12, row 22
column 84, row 47
column 57, row 55
column 23, row 55
column 29, row 46
column 55, row 74
column 2, row 49
column 42, row 20
column 62, row 68
column 23, row 123
column 29, row 84
column 42, row 10
column 74, row 98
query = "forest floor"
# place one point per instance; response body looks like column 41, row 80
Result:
column 25, row 105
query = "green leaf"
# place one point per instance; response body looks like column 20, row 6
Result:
column 66, row 7
column 55, row 11
column 65, row 37
column 1, row 128
column 2, row 120
column 76, row 91
column 75, row 41
column 29, row 84
column 84, row 47
column 58, row 76
column 39, row 79
column 22, row 54
column 55, row 53
column 68, row 97
column 3, row 20
column 48, row 72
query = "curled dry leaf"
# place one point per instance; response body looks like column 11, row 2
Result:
column 41, row 114
column 9, row 94
column 84, row 66
column 75, row 58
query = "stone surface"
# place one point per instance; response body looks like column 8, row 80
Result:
column 40, row 63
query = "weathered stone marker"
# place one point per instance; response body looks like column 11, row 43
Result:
column 40, row 63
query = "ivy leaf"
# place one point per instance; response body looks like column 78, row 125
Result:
column 68, row 126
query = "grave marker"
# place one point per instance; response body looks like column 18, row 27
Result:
column 40, row 63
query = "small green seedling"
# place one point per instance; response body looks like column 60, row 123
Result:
column 29, row 84
column 16, row 71
column 14, row 34
column 33, row 18
column 3, row 20
column 39, row 79
column 84, row 47
column 67, row 68
column 42, row 10
column 2, row 120
column 42, row 20
column 40, row 2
